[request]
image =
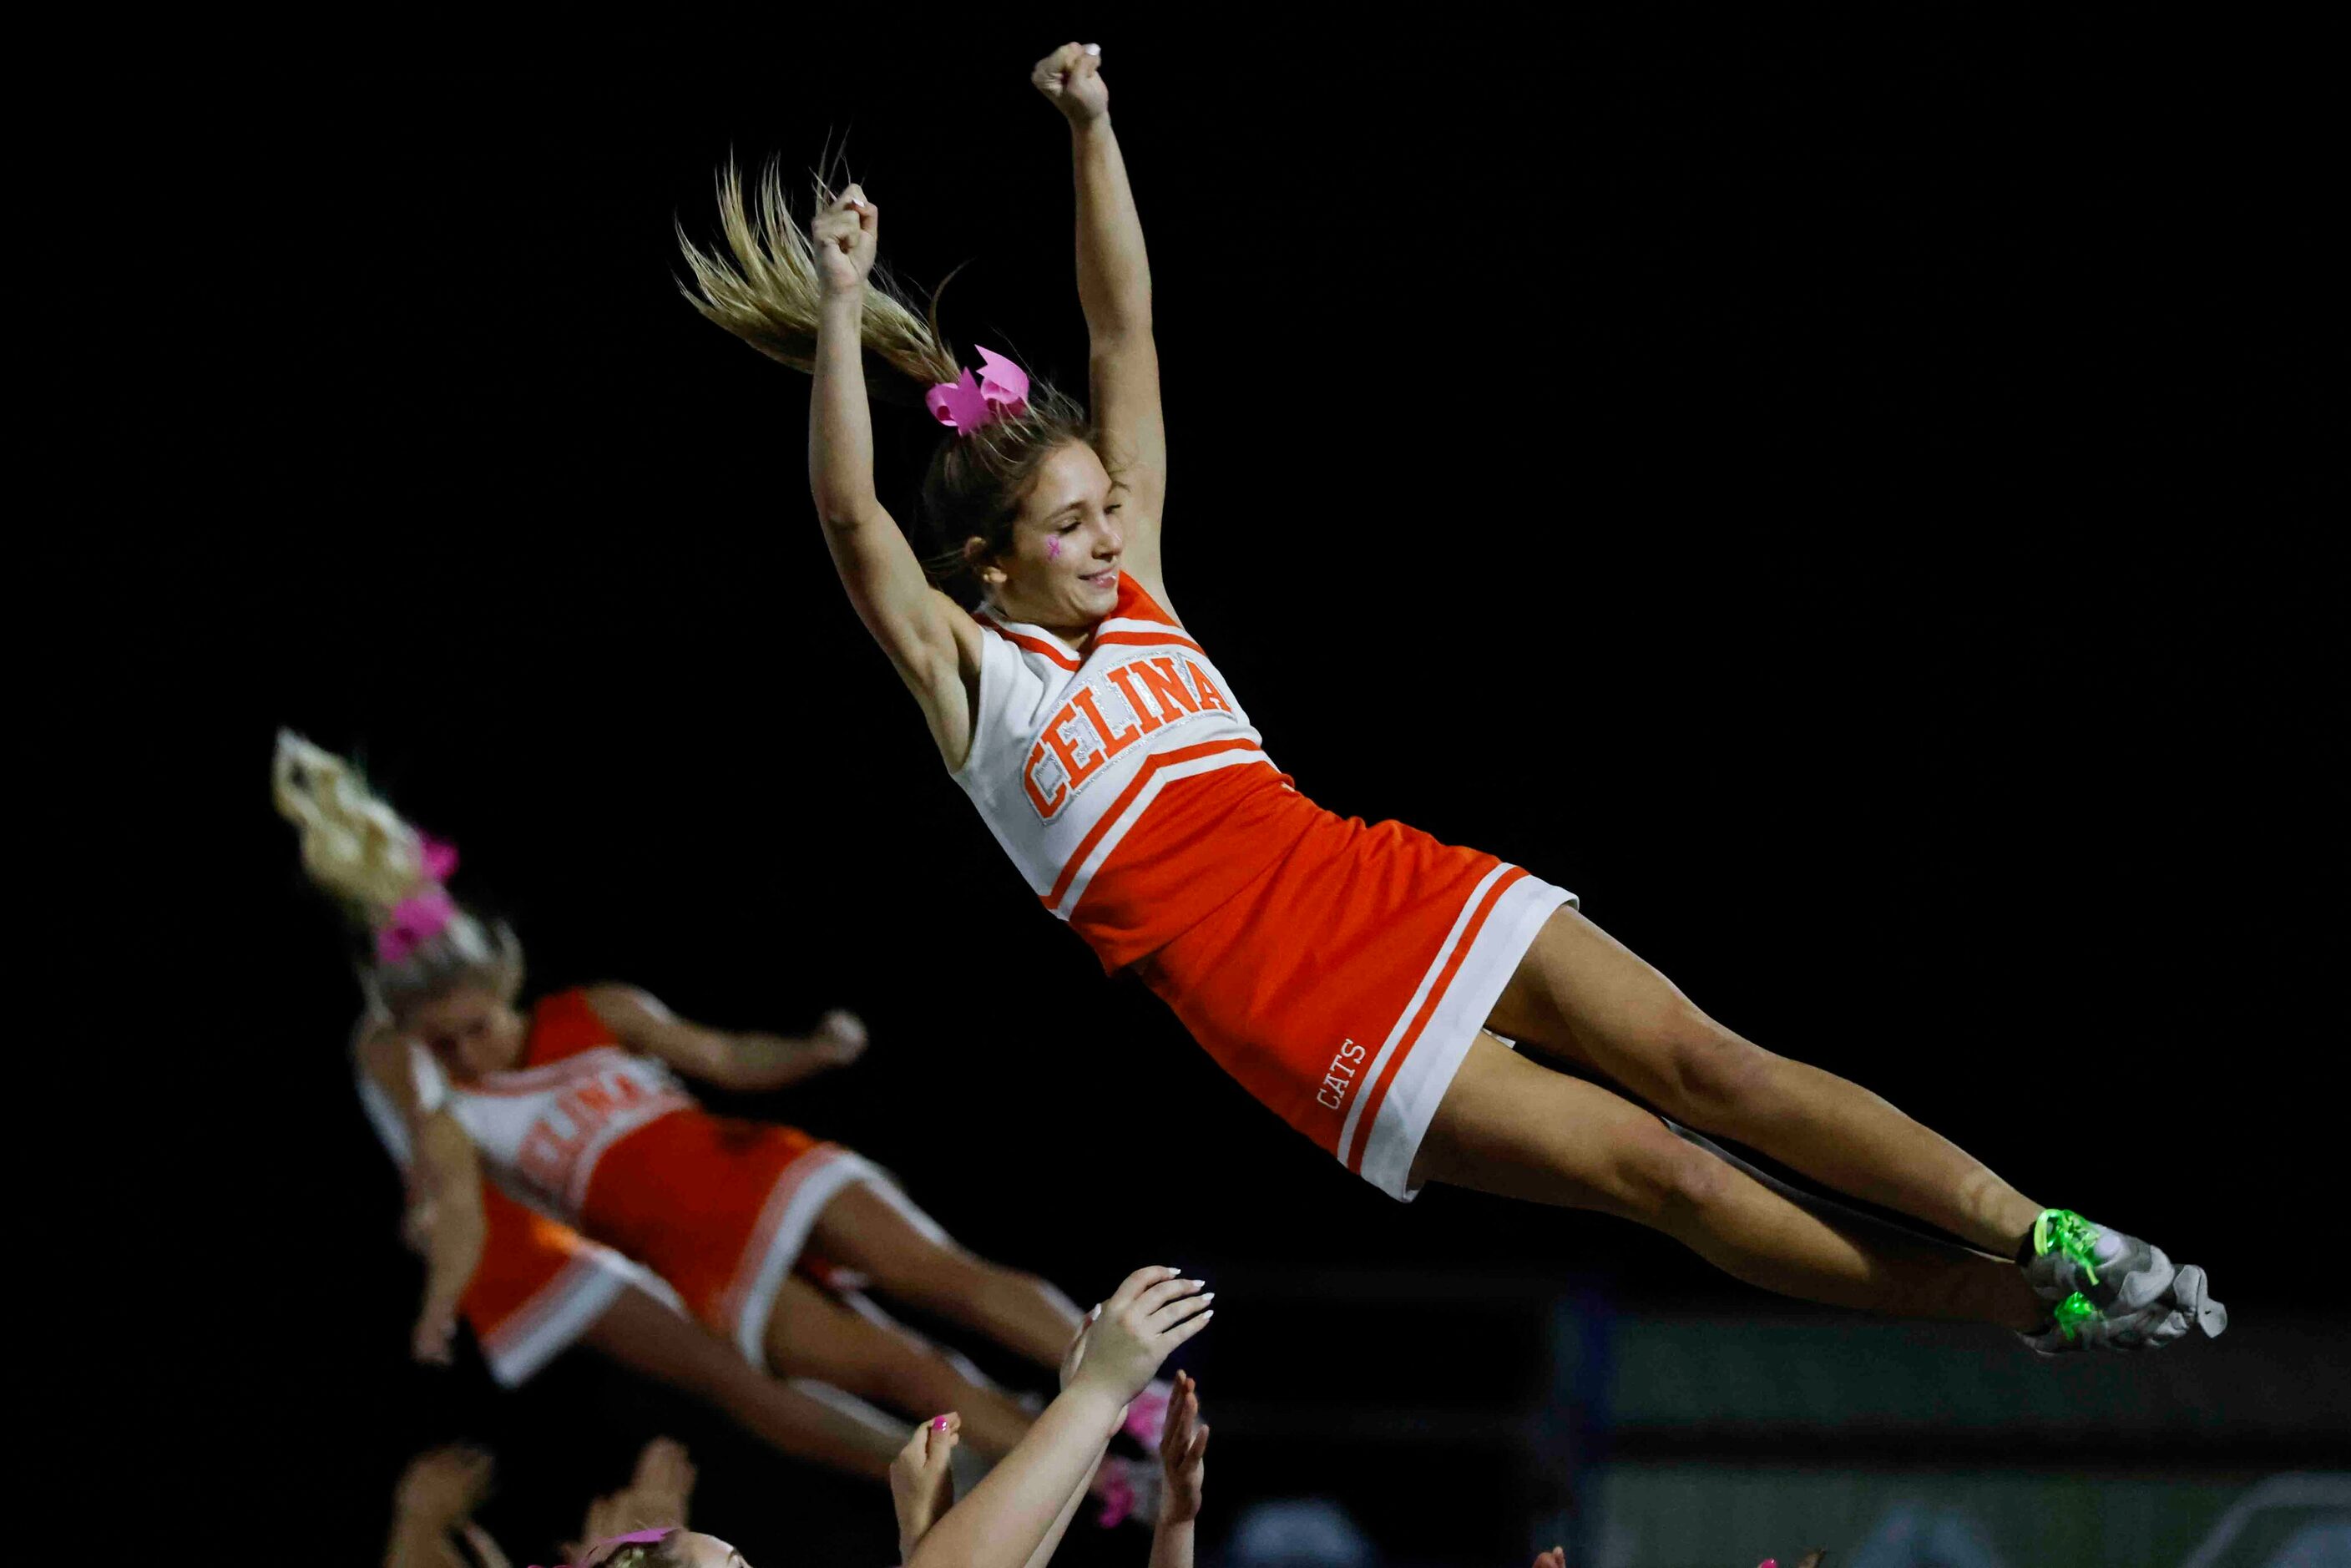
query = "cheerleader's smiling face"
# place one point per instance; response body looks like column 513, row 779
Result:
column 470, row 1030
column 1059, row 567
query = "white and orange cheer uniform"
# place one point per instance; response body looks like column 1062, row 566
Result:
column 540, row 1284
column 1339, row 971
column 609, row 1141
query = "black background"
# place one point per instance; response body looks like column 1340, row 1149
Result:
column 1837, row 499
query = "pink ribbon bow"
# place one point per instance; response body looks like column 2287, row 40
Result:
column 632, row 1538
column 1001, row 391
column 437, row 858
column 421, row 916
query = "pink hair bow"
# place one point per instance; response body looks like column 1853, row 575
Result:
column 634, row 1537
column 438, row 859
column 1001, row 391
column 421, row 916
column 414, row 920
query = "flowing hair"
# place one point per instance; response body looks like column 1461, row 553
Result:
column 765, row 289
column 360, row 852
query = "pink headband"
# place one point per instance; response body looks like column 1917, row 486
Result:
column 964, row 405
column 421, row 916
column 634, row 1537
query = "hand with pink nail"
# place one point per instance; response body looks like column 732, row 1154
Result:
column 922, row 1486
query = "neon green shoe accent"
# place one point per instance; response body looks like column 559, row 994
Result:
column 2070, row 1234
column 2073, row 1311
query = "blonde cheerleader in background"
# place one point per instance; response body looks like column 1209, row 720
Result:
column 611, row 1190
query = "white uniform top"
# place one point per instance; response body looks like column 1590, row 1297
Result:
column 515, row 1347
column 541, row 1129
column 1072, row 757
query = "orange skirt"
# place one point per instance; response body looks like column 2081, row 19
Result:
column 538, row 1287
column 721, row 1208
column 1343, row 986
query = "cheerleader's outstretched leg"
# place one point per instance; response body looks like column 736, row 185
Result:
column 910, row 1259
column 811, row 1335
column 1581, row 995
column 655, row 1341
column 1513, row 1128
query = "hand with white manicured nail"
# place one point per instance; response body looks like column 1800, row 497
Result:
column 1151, row 1313
column 1071, row 80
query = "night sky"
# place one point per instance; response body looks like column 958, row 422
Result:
column 1834, row 501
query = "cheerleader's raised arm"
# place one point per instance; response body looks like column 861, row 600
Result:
column 1114, row 290
column 931, row 642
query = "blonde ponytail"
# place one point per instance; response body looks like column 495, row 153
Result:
column 358, row 851
column 768, row 295
column 356, row 848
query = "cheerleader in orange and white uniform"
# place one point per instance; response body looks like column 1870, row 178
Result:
column 538, row 1287
column 1365, row 983
column 576, row 1113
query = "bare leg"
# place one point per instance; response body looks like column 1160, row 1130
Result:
column 922, row 1268
column 1583, row 994
column 1510, row 1127
column 649, row 1339
column 809, row 1335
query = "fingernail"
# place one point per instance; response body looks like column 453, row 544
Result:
column 1207, row 1315
column 941, row 1424
column 1208, row 1296
column 1093, row 48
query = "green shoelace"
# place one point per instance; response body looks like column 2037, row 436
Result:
column 2068, row 1233
column 2073, row 1312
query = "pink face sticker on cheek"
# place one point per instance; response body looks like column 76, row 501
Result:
column 1053, row 546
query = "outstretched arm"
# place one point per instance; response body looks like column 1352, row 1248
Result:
column 1114, row 290
column 456, row 1234
column 1060, row 1525
column 445, row 1221
column 932, row 643
column 1072, row 1360
column 1010, row 1514
column 744, row 1061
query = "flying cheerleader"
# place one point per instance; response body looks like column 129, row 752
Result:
column 1365, row 983
column 609, row 1190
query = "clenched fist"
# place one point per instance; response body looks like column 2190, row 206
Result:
column 1071, row 80
column 845, row 240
